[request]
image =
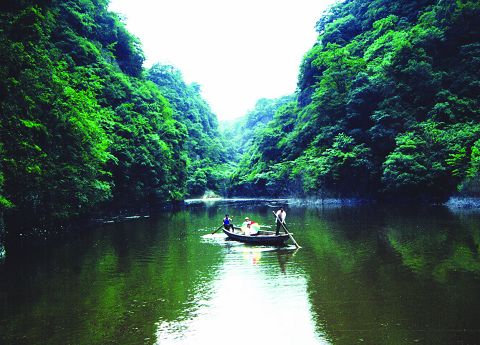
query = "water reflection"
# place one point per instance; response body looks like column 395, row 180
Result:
column 364, row 275
column 379, row 279
column 254, row 302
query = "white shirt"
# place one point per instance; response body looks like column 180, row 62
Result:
column 281, row 215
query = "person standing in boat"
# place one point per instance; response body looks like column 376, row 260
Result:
column 279, row 219
column 227, row 223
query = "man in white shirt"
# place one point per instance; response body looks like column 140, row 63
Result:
column 280, row 218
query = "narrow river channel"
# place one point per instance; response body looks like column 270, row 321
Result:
column 363, row 275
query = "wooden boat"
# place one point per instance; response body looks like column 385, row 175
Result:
column 262, row 238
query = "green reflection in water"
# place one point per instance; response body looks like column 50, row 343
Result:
column 109, row 285
column 364, row 275
column 379, row 276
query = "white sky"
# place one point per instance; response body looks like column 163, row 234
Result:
column 238, row 51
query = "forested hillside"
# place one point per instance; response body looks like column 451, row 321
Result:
column 387, row 106
column 247, row 180
column 82, row 125
column 205, row 147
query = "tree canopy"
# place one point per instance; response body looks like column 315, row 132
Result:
column 387, row 106
column 84, row 124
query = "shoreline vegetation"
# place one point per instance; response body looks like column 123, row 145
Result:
column 386, row 108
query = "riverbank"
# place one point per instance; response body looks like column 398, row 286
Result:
column 463, row 203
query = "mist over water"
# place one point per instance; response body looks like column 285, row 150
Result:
column 364, row 275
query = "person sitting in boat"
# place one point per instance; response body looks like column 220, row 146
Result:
column 254, row 228
column 227, row 223
column 249, row 227
column 246, row 226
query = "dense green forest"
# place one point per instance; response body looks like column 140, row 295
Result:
column 207, row 162
column 85, row 126
column 387, row 106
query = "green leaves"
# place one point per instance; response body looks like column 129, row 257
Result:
column 406, row 169
column 341, row 31
column 430, row 160
column 205, row 148
column 80, row 124
column 337, row 169
column 387, row 105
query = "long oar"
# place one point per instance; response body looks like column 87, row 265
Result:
column 217, row 229
column 285, row 228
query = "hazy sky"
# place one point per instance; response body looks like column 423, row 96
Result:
column 238, row 51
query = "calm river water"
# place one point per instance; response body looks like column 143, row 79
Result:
column 364, row 275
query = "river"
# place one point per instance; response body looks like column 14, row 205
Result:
column 363, row 275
